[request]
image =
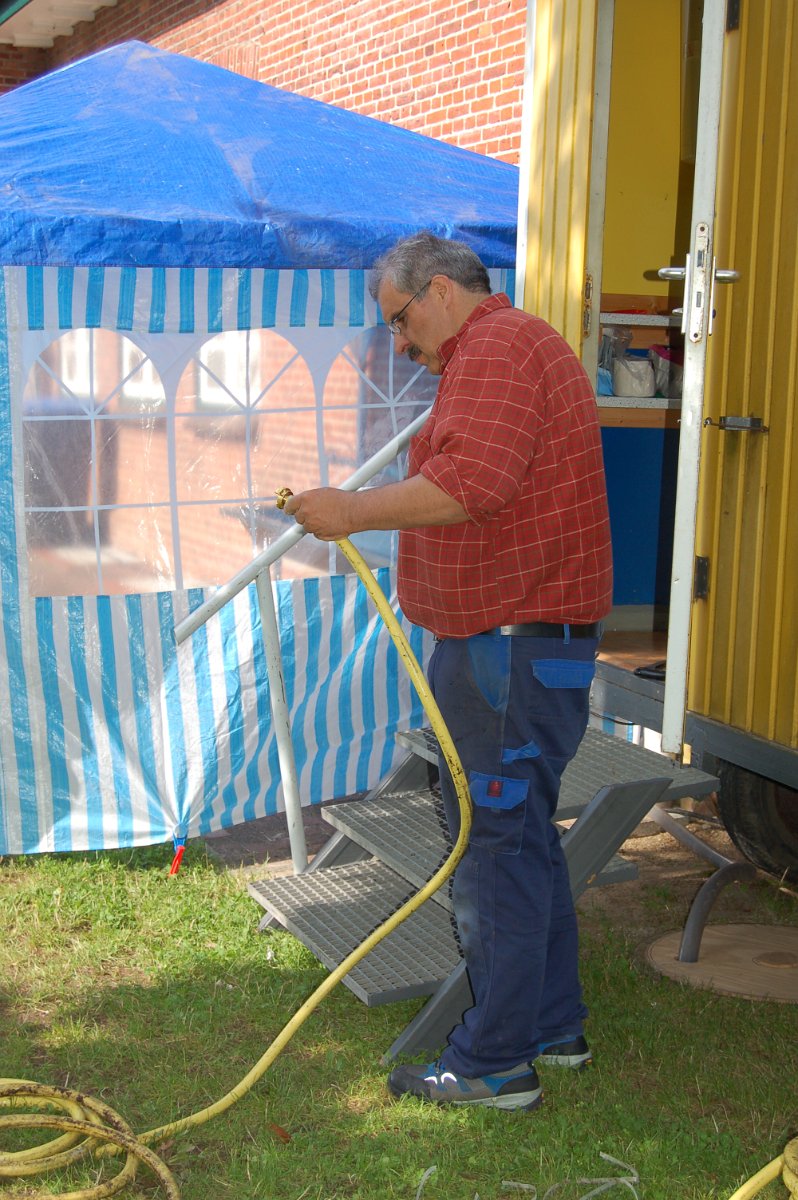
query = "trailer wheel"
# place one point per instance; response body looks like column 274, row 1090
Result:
column 761, row 818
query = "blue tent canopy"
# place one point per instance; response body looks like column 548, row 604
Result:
column 138, row 157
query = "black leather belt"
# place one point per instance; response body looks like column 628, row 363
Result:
column 545, row 629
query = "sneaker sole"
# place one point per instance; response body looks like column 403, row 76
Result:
column 575, row 1062
column 504, row 1103
column 519, row 1102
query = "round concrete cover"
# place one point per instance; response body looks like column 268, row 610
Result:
column 756, row 961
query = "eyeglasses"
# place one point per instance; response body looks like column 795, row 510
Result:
column 394, row 323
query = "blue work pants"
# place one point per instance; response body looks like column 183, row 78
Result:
column 517, row 709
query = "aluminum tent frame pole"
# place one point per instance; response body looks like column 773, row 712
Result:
column 282, row 725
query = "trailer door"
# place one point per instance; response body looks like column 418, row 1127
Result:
column 700, row 274
column 563, row 171
column 744, row 644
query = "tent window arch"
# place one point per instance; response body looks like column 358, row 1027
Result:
column 245, row 425
column 92, row 399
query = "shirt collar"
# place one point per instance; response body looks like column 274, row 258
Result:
column 488, row 305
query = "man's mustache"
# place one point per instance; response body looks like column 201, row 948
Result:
column 413, row 352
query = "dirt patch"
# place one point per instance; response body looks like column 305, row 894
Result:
column 264, row 843
column 669, row 877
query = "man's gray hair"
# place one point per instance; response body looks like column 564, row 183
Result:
column 411, row 264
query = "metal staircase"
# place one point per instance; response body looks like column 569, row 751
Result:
column 388, row 844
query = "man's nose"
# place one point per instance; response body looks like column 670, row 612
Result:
column 400, row 343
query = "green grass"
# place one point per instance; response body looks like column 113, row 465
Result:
column 156, row 995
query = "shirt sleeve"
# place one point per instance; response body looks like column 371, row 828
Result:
column 485, row 437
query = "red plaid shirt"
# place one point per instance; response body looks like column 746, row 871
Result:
column 514, row 437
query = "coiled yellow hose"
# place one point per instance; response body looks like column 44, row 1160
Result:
column 91, row 1127
column 785, row 1165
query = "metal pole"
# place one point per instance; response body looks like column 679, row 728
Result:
column 286, row 540
column 688, row 839
column 282, row 724
column 701, row 907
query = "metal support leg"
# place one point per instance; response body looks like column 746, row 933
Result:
column 688, row 839
column 702, row 904
column 432, row 1025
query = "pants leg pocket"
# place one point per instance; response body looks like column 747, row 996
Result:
column 564, row 672
column 499, row 812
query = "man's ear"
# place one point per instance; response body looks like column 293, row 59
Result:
column 443, row 286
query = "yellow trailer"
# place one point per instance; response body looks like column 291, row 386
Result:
column 661, row 162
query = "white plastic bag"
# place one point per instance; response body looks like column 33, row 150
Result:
column 632, row 376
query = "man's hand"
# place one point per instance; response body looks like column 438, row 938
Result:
column 331, row 514
column 324, row 512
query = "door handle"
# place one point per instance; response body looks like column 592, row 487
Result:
column 719, row 275
column 697, row 286
column 678, row 273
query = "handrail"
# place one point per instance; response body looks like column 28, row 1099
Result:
column 258, row 570
column 190, row 624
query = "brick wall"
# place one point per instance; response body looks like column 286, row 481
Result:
column 451, row 69
column 18, row 65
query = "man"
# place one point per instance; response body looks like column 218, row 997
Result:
column 504, row 554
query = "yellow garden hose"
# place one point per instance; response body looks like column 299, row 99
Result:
column 88, row 1126
column 785, row 1165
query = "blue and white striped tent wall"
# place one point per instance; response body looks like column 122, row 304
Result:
column 113, row 736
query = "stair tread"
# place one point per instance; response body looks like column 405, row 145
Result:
column 601, row 760
column 333, row 910
column 405, row 830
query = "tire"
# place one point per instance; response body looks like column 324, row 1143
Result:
column 761, row 818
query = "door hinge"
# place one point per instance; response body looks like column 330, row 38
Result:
column 587, row 306
column 701, row 578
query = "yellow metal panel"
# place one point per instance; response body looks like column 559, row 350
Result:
column 744, row 646
column 565, row 32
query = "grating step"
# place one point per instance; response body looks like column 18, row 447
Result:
column 600, row 760
column 405, row 830
column 333, row 910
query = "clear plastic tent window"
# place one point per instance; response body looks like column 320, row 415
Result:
column 153, row 464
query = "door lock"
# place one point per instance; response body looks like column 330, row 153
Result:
column 738, row 424
column 698, row 279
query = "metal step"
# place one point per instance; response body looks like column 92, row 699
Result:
column 401, row 824
column 407, row 831
column 333, row 910
column 600, row 760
